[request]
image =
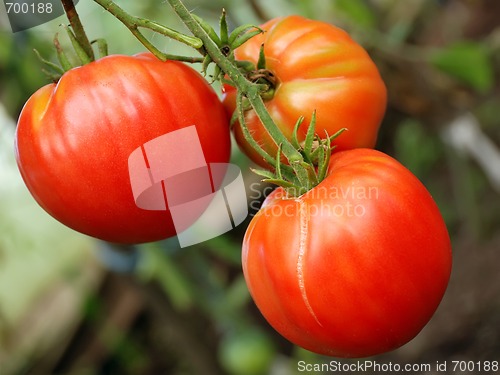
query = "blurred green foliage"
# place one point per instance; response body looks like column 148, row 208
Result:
column 357, row 11
column 468, row 61
column 17, row 74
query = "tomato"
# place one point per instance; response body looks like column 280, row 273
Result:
column 317, row 66
column 74, row 139
column 247, row 352
column 354, row 267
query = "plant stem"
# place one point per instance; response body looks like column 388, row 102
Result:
column 297, row 171
column 134, row 23
column 77, row 27
column 287, row 170
column 251, row 91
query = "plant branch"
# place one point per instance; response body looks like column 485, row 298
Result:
column 77, row 27
column 275, row 163
column 134, row 23
column 251, row 91
column 298, row 172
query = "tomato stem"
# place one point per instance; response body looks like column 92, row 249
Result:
column 81, row 54
column 251, row 91
column 134, row 23
column 282, row 170
column 77, row 27
column 307, row 166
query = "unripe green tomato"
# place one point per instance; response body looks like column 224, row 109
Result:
column 248, row 352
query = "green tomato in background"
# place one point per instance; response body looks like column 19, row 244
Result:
column 247, row 352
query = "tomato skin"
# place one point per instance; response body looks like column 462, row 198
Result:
column 74, row 139
column 318, row 67
column 350, row 285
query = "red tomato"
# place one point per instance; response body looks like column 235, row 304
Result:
column 317, row 67
column 74, row 139
column 354, row 267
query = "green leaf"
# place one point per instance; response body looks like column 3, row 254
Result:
column 224, row 36
column 339, row 132
column 217, row 73
column 295, row 137
column 80, row 51
column 240, row 30
column 467, row 61
column 54, row 68
column 102, row 47
column 358, row 11
column 208, row 29
column 244, row 38
column 311, row 131
column 322, row 163
column 261, row 63
column 263, row 173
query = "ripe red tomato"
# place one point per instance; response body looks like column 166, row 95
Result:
column 317, row 66
column 74, row 139
column 354, row 267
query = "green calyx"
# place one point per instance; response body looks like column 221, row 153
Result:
column 304, row 171
column 54, row 71
column 225, row 41
column 83, row 48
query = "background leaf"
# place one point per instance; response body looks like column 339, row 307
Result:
column 357, row 11
column 468, row 62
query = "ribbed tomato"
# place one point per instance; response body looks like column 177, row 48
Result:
column 317, row 66
column 354, row 267
column 74, row 139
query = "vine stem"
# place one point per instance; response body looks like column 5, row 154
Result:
column 287, row 170
column 77, row 27
column 250, row 90
column 297, row 169
column 134, row 23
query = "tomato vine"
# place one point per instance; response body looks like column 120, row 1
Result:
column 299, row 174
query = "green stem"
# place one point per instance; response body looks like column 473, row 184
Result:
column 248, row 136
column 77, row 27
column 298, row 171
column 134, row 23
column 102, row 47
column 275, row 163
column 251, row 91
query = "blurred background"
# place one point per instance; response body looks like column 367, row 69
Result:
column 71, row 305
